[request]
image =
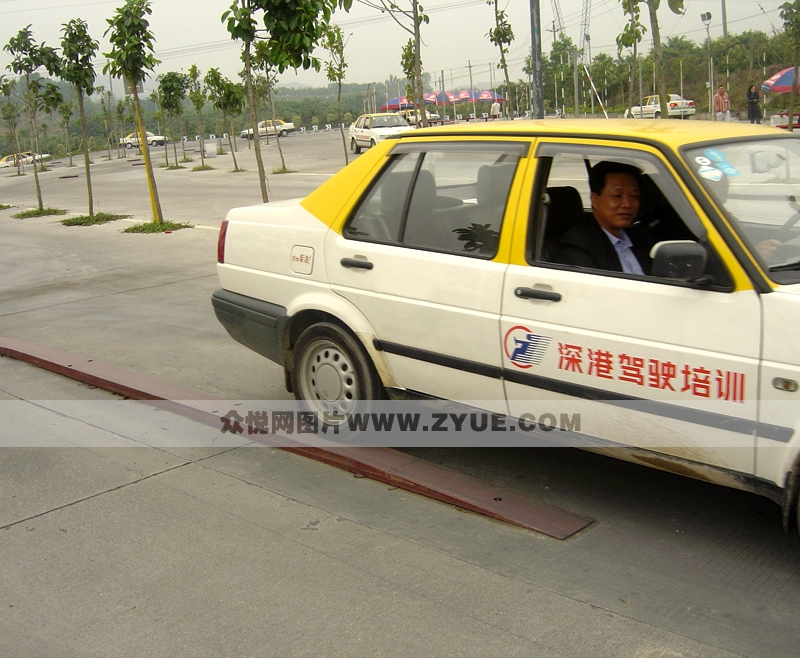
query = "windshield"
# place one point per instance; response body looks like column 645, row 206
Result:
column 389, row 122
column 757, row 184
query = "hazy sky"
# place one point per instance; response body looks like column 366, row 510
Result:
column 190, row 32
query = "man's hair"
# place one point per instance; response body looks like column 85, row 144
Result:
column 598, row 173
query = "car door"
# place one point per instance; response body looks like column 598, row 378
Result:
column 362, row 132
column 423, row 257
column 661, row 365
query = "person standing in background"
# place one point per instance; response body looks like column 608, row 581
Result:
column 753, row 109
column 722, row 104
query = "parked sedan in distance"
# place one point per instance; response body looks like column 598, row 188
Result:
column 271, row 128
column 132, row 140
column 650, row 108
column 369, row 129
column 24, row 158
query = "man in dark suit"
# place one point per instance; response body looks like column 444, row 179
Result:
column 608, row 240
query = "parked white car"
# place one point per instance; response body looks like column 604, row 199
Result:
column 650, row 108
column 271, row 128
column 369, row 129
column 132, row 140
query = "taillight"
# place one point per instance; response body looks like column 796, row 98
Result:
column 673, row 105
column 691, row 103
column 223, row 230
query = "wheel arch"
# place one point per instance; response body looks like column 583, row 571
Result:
column 304, row 315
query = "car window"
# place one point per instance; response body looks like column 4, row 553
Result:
column 756, row 184
column 566, row 234
column 447, row 199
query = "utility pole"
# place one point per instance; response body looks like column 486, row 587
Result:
column 724, row 21
column 537, row 90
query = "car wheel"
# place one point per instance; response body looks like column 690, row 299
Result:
column 355, row 148
column 283, row 133
column 657, row 115
column 371, row 143
column 129, row 145
column 331, row 371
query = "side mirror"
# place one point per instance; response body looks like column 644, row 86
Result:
column 678, row 259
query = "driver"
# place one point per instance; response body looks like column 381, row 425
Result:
column 608, row 239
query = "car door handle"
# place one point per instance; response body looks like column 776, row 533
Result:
column 358, row 264
column 536, row 293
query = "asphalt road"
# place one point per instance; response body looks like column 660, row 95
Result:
column 180, row 544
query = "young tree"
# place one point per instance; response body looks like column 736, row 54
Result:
column 11, row 113
column 65, row 110
column 501, row 36
column 172, row 88
column 197, row 94
column 676, row 6
column 409, row 64
column 228, row 98
column 790, row 14
column 132, row 59
column 631, row 37
column 335, row 69
column 27, row 57
column 410, row 20
column 105, row 105
column 77, row 51
column 261, row 63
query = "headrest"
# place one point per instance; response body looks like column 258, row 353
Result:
column 565, row 210
column 494, row 182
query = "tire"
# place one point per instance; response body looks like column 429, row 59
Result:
column 283, row 133
column 657, row 115
column 371, row 143
column 331, row 370
column 355, row 148
column 129, row 145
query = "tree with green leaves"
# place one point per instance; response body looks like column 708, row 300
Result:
column 269, row 73
column 501, row 35
column 228, row 98
column 790, row 15
column 410, row 19
column 197, row 94
column 241, row 23
column 131, row 58
column 66, row 110
column 11, row 112
column 27, row 57
column 77, row 51
column 335, row 69
column 676, row 6
column 631, row 37
column 105, row 107
column 172, row 88
column 409, row 63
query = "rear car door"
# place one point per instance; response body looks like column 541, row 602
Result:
column 423, row 258
column 661, row 365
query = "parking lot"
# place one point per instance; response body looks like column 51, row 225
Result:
column 161, row 547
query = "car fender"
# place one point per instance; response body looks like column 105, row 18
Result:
column 326, row 301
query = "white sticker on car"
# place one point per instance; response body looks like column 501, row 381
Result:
column 702, row 161
column 711, row 173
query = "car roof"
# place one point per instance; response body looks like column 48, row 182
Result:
column 670, row 133
column 381, row 114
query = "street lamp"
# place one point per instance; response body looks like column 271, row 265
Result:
column 706, row 18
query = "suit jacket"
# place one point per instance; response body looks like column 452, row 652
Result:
column 585, row 244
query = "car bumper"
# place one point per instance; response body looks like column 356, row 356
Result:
column 255, row 324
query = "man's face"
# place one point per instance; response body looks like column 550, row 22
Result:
column 616, row 206
column 721, row 89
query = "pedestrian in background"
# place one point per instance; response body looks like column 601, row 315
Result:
column 753, row 110
column 722, row 104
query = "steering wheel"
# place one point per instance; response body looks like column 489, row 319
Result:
column 788, row 225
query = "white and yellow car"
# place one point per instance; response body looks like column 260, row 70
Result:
column 370, row 129
column 425, row 270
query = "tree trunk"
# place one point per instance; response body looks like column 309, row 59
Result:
column 661, row 78
column 34, row 141
column 174, row 145
column 66, row 141
column 503, row 62
column 108, row 144
column 202, row 141
column 794, row 88
column 277, row 137
column 230, row 143
column 423, row 113
column 341, row 126
column 85, row 145
column 158, row 217
column 251, row 101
